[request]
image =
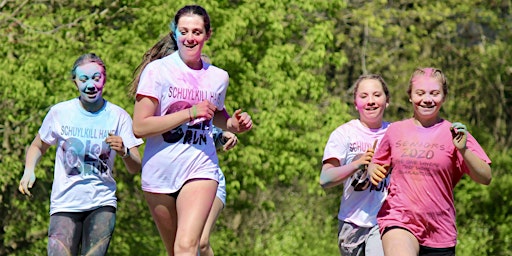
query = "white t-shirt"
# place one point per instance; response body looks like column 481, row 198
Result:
column 188, row 151
column 83, row 177
column 345, row 143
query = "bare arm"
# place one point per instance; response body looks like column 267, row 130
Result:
column 130, row 156
column 146, row 124
column 333, row 173
column 34, row 152
column 133, row 162
column 479, row 170
column 238, row 123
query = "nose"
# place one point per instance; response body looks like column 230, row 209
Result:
column 89, row 85
column 189, row 37
column 371, row 100
column 428, row 98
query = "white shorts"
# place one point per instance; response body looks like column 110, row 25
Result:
column 221, row 188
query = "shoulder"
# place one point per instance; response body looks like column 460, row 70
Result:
column 115, row 108
column 400, row 124
column 217, row 71
column 65, row 105
column 346, row 128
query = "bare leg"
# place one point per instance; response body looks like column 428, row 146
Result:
column 400, row 242
column 204, row 244
column 193, row 207
column 163, row 210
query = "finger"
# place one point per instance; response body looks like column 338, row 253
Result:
column 237, row 113
column 452, row 130
column 374, row 181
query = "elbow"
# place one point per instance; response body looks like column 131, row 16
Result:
column 138, row 132
column 134, row 171
column 324, row 183
column 487, row 180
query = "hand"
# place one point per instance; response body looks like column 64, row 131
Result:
column 203, row 109
column 459, row 135
column 377, row 173
column 362, row 161
column 241, row 121
column 231, row 140
column 26, row 182
column 116, row 143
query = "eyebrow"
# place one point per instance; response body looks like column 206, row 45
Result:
column 87, row 75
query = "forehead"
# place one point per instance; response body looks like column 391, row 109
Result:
column 89, row 69
column 426, row 83
column 191, row 21
column 369, row 85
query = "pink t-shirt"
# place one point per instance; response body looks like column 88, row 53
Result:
column 426, row 166
column 188, row 151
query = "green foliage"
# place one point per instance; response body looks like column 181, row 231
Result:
column 292, row 65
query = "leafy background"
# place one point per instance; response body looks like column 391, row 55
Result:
column 292, row 64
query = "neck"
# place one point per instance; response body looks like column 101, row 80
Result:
column 426, row 122
column 372, row 125
column 193, row 63
column 92, row 107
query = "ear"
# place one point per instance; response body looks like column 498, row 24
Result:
column 387, row 104
column 410, row 100
column 209, row 34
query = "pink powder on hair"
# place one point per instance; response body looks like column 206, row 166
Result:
column 427, row 74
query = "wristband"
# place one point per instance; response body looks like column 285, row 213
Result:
column 126, row 153
column 194, row 111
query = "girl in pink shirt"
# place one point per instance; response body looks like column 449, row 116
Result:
column 428, row 156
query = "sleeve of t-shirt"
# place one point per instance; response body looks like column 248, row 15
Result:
column 149, row 84
column 46, row 130
column 221, row 103
column 382, row 154
column 126, row 132
column 335, row 147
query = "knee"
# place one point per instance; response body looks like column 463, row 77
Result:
column 186, row 245
column 204, row 245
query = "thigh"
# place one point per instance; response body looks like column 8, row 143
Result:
column 373, row 244
column 163, row 211
column 193, row 207
column 212, row 218
column 398, row 241
column 97, row 230
column 64, row 233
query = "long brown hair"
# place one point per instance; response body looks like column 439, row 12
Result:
column 162, row 48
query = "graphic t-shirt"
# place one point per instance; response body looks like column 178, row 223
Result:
column 426, row 166
column 186, row 152
column 83, row 177
column 358, row 206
